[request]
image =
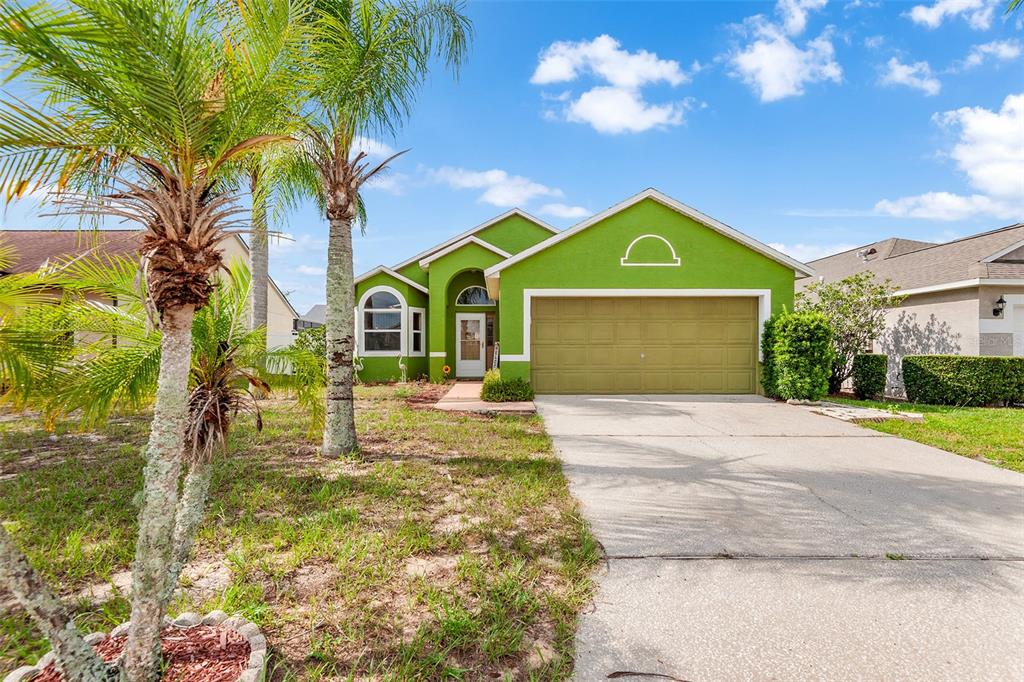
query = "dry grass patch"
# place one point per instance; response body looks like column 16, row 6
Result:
column 450, row 550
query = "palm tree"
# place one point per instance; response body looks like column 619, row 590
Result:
column 114, row 368
column 146, row 105
column 367, row 60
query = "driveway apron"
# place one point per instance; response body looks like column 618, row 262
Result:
column 753, row 540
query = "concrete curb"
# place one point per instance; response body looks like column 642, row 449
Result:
column 255, row 670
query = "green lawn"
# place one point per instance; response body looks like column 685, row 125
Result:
column 995, row 434
column 450, row 550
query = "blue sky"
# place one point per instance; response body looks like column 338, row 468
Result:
column 809, row 125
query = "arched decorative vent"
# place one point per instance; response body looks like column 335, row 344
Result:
column 474, row 296
column 650, row 250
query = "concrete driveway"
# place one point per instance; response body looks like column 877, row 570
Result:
column 753, row 540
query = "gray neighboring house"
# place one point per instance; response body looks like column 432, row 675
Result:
column 314, row 317
column 964, row 297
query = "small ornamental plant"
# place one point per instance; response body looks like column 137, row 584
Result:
column 446, row 371
column 803, row 355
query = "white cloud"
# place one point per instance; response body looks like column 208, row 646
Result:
column 977, row 13
column 563, row 211
column 564, row 61
column 990, row 152
column 393, row 183
column 373, row 148
column 794, row 13
column 311, row 270
column 917, row 75
column 874, row 42
column 613, row 110
column 499, row 187
column 944, row 206
column 775, row 68
column 773, row 65
column 618, row 106
column 1002, row 50
column 808, row 252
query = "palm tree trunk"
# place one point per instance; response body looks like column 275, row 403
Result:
column 76, row 660
column 194, row 493
column 340, row 425
column 154, row 548
column 259, row 253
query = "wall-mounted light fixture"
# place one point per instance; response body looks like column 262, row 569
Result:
column 1000, row 305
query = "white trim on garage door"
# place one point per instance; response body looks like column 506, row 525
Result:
column 764, row 306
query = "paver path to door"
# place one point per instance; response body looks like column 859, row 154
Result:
column 748, row 540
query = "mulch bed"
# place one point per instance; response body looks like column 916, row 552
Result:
column 204, row 653
column 427, row 395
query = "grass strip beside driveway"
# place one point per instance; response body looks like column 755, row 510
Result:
column 995, row 434
column 451, row 549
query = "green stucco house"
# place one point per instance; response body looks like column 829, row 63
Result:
column 649, row 296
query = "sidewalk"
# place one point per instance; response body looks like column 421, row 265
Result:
column 464, row 396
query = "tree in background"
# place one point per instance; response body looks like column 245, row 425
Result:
column 855, row 308
column 147, row 105
column 367, row 61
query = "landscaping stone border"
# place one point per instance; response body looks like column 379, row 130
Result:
column 255, row 670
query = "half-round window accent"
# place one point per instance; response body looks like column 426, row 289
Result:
column 650, row 250
column 474, row 296
column 382, row 300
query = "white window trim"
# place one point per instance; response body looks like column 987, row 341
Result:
column 422, row 332
column 764, row 306
column 402, row 332
column 477, row 305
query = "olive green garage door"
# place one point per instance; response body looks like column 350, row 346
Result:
column 644, row 345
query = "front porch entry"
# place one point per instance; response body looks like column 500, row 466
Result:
column 474, row 344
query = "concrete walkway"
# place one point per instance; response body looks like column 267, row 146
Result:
column 749, row 539
column 464, row 396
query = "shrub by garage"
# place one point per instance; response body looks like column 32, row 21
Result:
column 964, row 380
column 869, row 371
column 498, row 390
column 802, row 355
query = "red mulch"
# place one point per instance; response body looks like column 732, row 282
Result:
column 205, row 653
column 427, row 395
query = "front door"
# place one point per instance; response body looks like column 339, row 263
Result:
column 470, row 342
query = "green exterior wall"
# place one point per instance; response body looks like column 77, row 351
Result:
column 590, row 259
column 386, row 368
column 514, row 234
column 471, row 258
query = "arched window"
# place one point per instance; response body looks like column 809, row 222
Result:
column 382, row 315
column 474, row 296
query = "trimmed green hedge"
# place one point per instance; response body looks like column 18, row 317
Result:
column 498, row 390
column 803, row 355
column 769, row 375
column 963, row 379
column 869, row 371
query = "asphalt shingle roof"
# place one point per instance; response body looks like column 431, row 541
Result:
column 910, row 264
column 33, row 248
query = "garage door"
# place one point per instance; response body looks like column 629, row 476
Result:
column 644, row 345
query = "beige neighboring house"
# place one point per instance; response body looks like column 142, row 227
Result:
column 964, row 297
column 36, row 247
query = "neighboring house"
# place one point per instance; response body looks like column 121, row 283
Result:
column 649, row 296
column 34, row 248
column 314, row 317
column 964, row 297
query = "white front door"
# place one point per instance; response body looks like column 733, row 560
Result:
column 470, row 344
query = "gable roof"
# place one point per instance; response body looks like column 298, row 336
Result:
column 665, row 200
column 976, row 257
column 470, row 232
column 472, row 239
column 34, row 248
column 388, row 271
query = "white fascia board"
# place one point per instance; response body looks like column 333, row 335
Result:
column 388, row 271
column 474, row 230
column 651, row 193
column 458, row 245
column 1002, row 252
column 961, row 284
